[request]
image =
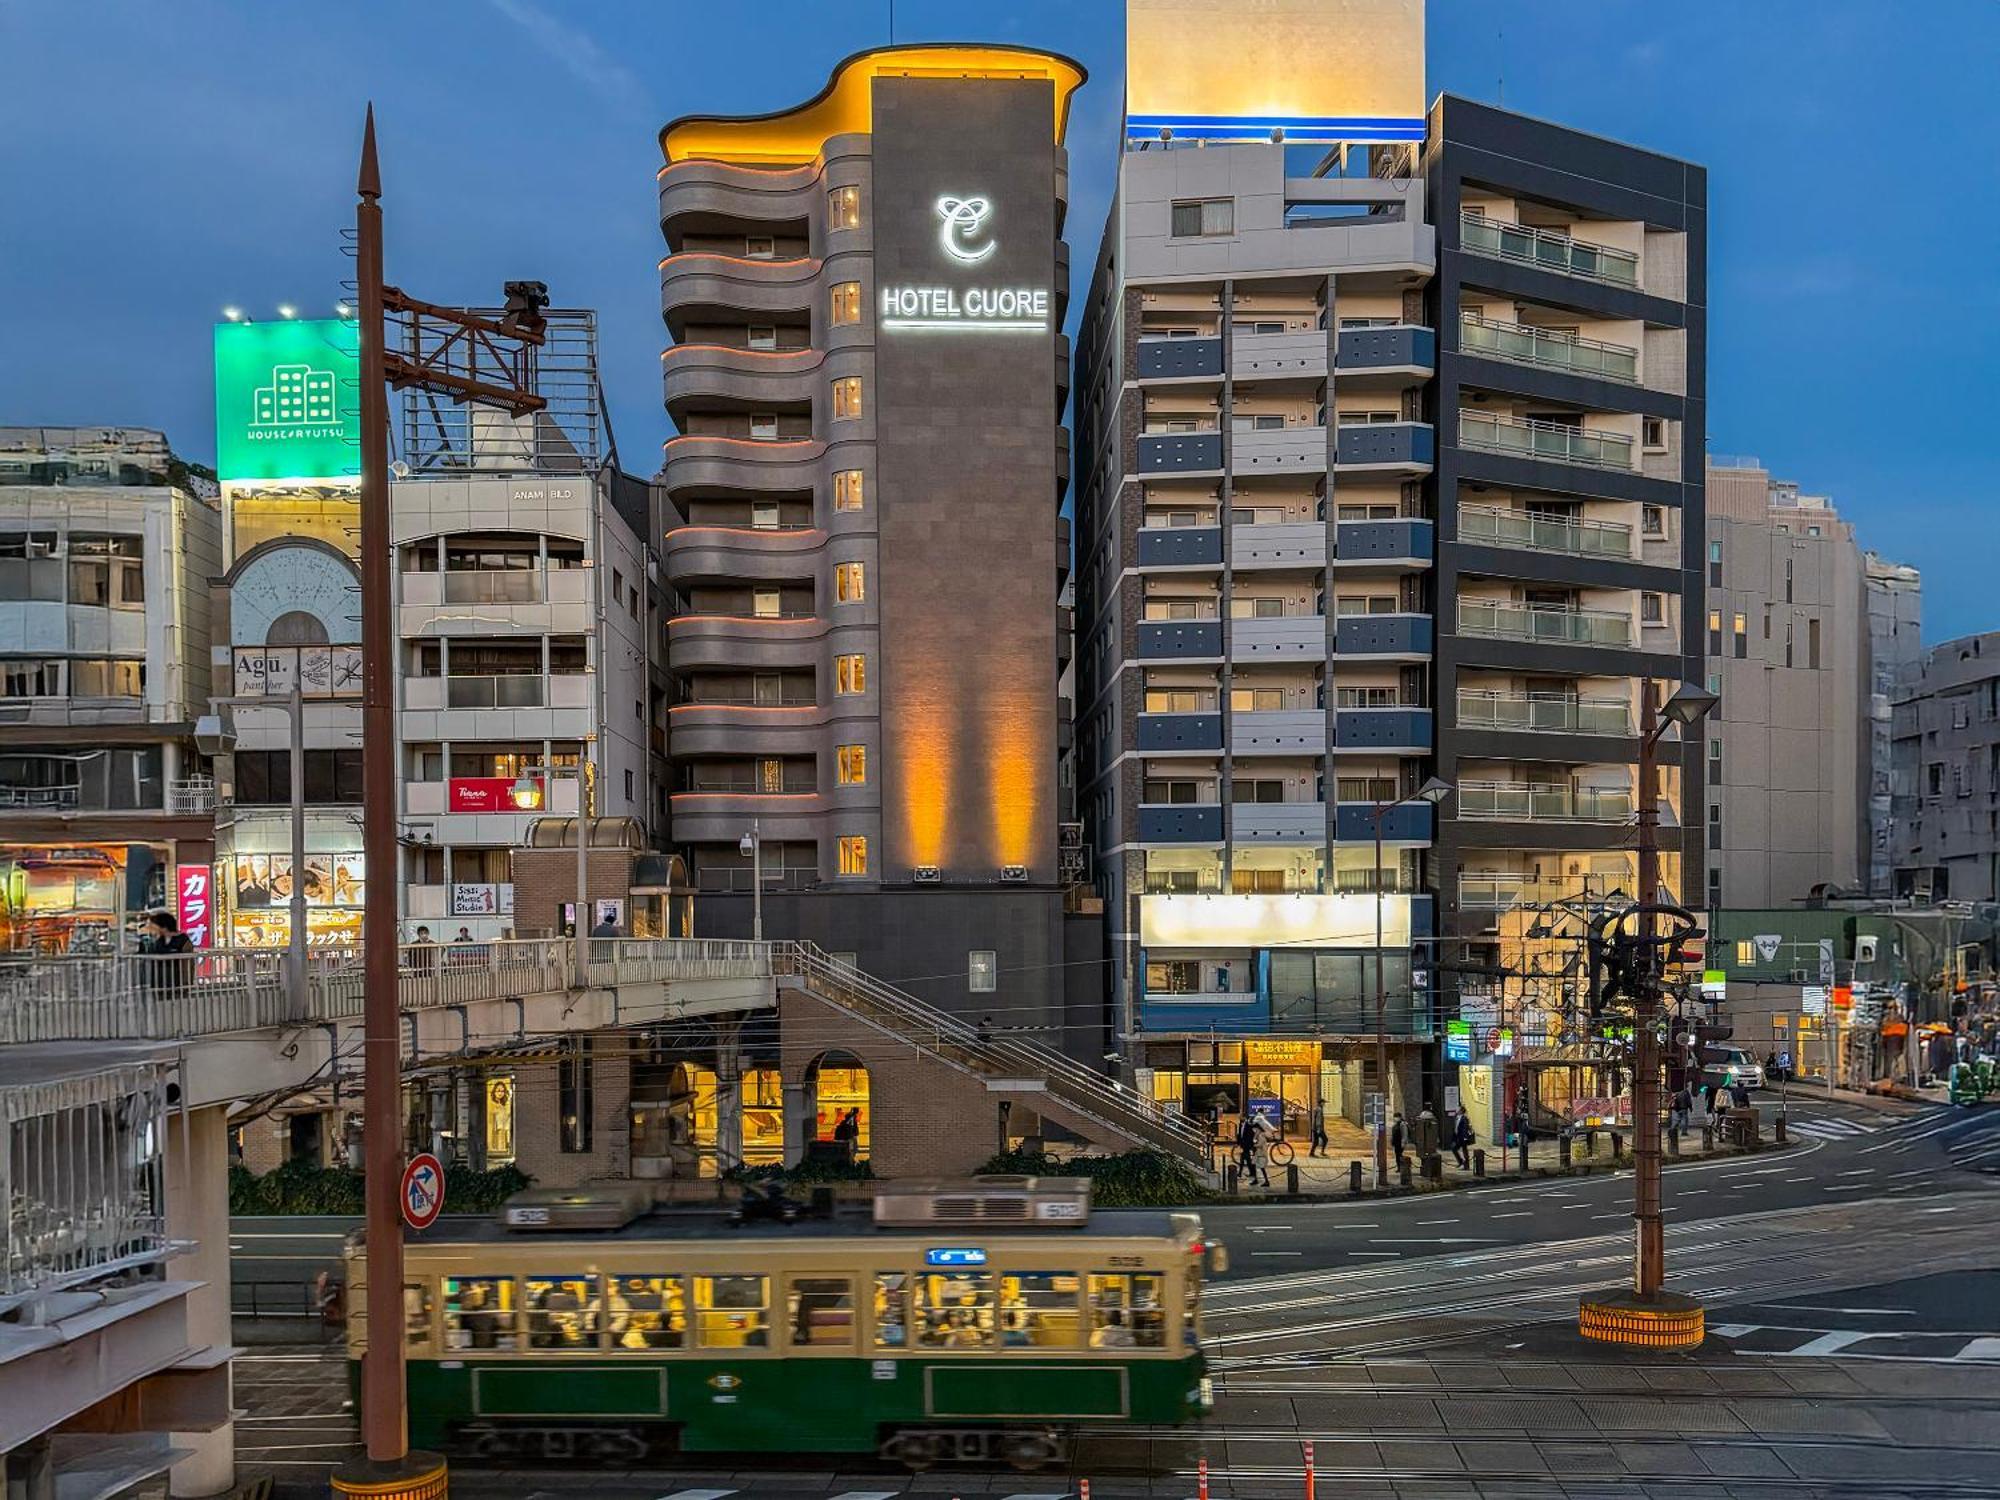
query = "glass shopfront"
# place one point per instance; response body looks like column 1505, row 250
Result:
column 80, row 898
column 1218, row 1081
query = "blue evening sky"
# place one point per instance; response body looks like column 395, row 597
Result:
column 160, row 159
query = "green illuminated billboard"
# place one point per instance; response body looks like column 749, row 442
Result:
column 288, row 400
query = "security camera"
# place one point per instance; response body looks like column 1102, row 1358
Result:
column 400, row 469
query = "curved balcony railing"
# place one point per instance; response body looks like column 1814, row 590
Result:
column 1549, row 250
column 1522, row 344
column 1526, row 437
column 1499, row 526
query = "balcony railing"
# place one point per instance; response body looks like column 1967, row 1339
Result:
column 493, row 586
column 1522, row 344
column 725, row 788
column 794, row 878
column 1184, row 882
column 785, row 700
column 517, row 690
column 1499, row 526
column 191, row 796
column 1502, row 892
column 1504, row 620
column 1552, row 713
column 1549, row 250
column 41, row 798
column 1557, row 441
column 1543, row 802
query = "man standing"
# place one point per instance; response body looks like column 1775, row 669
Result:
column 1398, row 1136
column 1462, row 1138
column 1316, row 1123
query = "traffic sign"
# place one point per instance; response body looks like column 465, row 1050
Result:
column 423, row 1191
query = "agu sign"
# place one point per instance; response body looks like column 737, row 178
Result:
column 287, row 400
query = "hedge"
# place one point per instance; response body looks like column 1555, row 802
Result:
column 1132, row 1179
column 298, row 1187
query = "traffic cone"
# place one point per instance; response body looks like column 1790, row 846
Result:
column 1309, row 1472
column 1201, row 1479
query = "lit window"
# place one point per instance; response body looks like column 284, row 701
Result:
column 850, row 765
column 760, row 248
column 847, row 489
column 766, row 604
column 982, row 971
column 847, row 397
column 846, row 297
column 764, row 515
column 1652, row 609
column 1653, row 434
column 763, row 425
column 853, row 854
column 843, row 208
column 850, row 675
column 847, row 583
column 762, row 336
column 1655, row 520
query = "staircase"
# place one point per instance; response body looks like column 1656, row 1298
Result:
column 1081, row 1098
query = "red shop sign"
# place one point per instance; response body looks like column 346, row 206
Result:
column 195, row 904
column 480, row 794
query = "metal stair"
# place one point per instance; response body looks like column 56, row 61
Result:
column 1117, row 1113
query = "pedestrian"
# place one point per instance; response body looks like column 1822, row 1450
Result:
column 1712, row 1097
column 1398, row 1136
column 1257, row 1154
column 1462, row 1138
column 1316, row 1123
column 1246, row 1137
column 1681, row 1109
column 1739, row 1093
column 162, row 940
column 423, row 957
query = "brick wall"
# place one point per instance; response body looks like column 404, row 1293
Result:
column 544, row 879
column 538, row 1122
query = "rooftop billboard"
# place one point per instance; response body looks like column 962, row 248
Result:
column 287, row 400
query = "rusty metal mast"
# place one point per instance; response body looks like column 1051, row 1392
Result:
column 479, row 360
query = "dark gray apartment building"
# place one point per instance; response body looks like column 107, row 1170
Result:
column 1390, row 469
column 1945, row 728
column 865, row 296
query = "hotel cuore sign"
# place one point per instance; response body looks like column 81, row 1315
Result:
column 965, row 239
column 288, row 400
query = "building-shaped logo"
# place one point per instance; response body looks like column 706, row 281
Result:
column 298, row 395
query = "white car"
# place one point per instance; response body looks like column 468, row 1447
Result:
column 1738, row 1065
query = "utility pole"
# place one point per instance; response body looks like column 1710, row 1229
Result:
column 469, row 358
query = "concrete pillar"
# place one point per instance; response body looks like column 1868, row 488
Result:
column 197, row 1188
column 801, row 1119
column 728, row 1096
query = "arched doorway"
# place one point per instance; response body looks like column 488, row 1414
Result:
column 838, row 1085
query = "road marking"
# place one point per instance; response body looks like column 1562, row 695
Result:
column 1830, row 1343
column 1436, row 1240
column 1610, row 1216
column 1519, row 1213
column 1277, row 1252
column 1798, row 1179
column 1391, row 1254
column 1855, row 1172
column 1913, row 1172
column 1422, row 1222
column 699, row 1495
column 1691, row 1192
column 1846, row 1187
column 1265, row 1228
column 1884, row 1312
column 867, row 1495
column 1510, row 1200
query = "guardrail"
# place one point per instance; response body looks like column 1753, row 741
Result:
column 143, row 997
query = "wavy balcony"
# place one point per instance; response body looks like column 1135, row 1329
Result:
column 724, row 817
column 744, row 641
column 762, row 554
column 746, row 728
column 708, row 287
column 751, row 378
column 708, row 197
column 698, row 463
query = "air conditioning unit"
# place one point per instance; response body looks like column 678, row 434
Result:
column 1046, row 1202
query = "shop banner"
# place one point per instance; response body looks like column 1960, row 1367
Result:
column 194, row 904
column 480, row 794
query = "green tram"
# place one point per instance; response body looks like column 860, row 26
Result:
column 968, row 1322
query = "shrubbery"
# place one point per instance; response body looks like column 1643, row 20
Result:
column 805, row 1171
column 1132, row 1179
column 298, row 1187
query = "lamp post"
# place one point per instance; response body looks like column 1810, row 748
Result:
column 752, row 844
column 1688, row 705
column 531, row 791
column 1433, row 791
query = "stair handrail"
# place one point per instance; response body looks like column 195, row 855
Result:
column 1100, row 1092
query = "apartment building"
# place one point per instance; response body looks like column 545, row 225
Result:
column 1895, row 651
column 1787, row 641
column 1389, row 429
column 1946, row 744
column 107, row 542
column 865, row 296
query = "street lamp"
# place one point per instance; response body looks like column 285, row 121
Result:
column 752, row 844
column 215, row 734
column 531, row 792
column 1434, row 792
column 1688, row 705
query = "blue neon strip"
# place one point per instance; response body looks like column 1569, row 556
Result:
column 1200, row 127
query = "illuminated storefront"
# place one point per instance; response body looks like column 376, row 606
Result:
column 80, row 898
column 257, row 877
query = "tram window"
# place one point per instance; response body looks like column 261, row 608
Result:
column 732, row 1312
column 892, row 1309
column 563, row 1312
column 1126, row 1310
column 1038, row 1309
column 479, row 1312
column 416, row 1314
column 822, row 1312
column 955, row 1310
column 647, row 1312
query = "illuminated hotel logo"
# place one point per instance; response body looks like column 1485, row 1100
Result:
column 975, row 309
column 962, row 218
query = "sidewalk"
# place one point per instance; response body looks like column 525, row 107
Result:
column 1328, row 1176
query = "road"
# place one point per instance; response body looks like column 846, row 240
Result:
column 1426, row 1346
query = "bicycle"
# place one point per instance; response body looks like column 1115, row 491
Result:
column 1282, row 1153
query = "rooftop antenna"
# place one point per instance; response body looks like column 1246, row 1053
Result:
column 1499, row 56
column 892, row 23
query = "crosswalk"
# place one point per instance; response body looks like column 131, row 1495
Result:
column 1830, row 1127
